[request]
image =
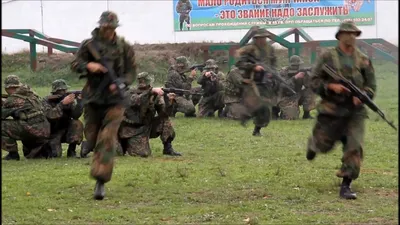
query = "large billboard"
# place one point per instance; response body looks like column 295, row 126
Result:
column 197, row 15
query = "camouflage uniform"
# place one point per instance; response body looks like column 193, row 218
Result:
column 233, row 94
column 141, row 123
column 338, row 118
column 289, row 103
column 177, row 79
column 29, row 125
column 103, row 110
column 183, row 8
column 64, row 119
column 213, row 97
column 258, row 105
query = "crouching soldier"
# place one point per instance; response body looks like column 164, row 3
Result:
column 141, row 123
column 63, row 112
column 29, row 124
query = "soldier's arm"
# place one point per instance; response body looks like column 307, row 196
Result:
column 369, row 78
column 178, row 7
column 190, row 7
column 10, row 105
column 221, row 79
column 242, row 55
column 140, row 99
column 77, row 110
column 318, row 82
column 52, row 112
column 130, row 70
column 78, row 65
column 202, row 79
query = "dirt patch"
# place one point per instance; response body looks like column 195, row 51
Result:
column 377, row 171
column 380, row 221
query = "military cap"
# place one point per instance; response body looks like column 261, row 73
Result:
column 148, row 78
column 59, row 84
column 210, row 64
column 12, row 81
column 348, row 26
column 261, row 33
column 109, row 18
column 295, row 60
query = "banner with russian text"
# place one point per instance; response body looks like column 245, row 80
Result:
column 197, row 15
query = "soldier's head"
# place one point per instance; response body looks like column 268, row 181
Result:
column 347, row 33
column 260, row 37
column 12, row 83
column 182, row 63
column 108, row 22
column 211, row 65
column 59, row 87
column 145, row 80
column 295, row 62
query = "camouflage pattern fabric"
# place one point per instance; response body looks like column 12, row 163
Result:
column 233, row 94
column 196, row 97
column 29, row 126
column 141, row 123
column 183, row 8
column 338, row 119
column 103, row 110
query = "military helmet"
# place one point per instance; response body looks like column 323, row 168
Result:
column 210, row 64
column 261, row 33
column 295, row 60
column 12, row 81
column 348, row 26
column 182, row 60
column 109, row 18
column 58, row 85
column 148, row 78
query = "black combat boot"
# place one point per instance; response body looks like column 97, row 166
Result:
column 168, row 150
column 181, row 25
column 310, row 155
column 307, row 115
column 12, row 156
column 345, row 191
column 71, row 152
column 84, row 149
column 99, row 190
column 256, row 131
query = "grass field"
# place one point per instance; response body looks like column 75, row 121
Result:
column 226, row 176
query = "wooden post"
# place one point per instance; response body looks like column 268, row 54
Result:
column 49, row 51
column 33, row 53
column 232, row 51
column 206, row 53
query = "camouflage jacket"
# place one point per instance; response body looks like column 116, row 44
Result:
column 122, row 55
column 295, row 84
column 23, row 105
column 233, row 86
column 183, row 7
column 210, row 86
column 177, row 80
column 60, row 115
column 357, row 68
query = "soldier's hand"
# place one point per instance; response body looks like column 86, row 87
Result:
column 246, row 81
column 299, row 75
column 258, row 68
column 79, row 96
column 113, row 88
column 157, row 91
column 356, row 101
column 68, row 99
column 171, row 96
column 96, row 67
column 338, row 88
column 193, row 73
column 208, row 74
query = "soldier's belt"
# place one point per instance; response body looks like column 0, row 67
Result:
column 24, row 116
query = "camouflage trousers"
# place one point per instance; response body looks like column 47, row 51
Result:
column 209, row 104
column 234, row 110
column 33, row 135
column 197, row 97
column 290, row 106
column 350, row 131
column 101, row 131
column 258, row 107
column 184, row 17
column 73, row 134
column 307, row 99
column 184, row 105
column 135, row 140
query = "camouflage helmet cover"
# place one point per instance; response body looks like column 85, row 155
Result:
column 58, row 85
column 12, row 81
column 348, row 26
column 109, row 19
column 148, row 78
column 261, row 33
column 182, row 60
column 210, row 64
column 295, row 60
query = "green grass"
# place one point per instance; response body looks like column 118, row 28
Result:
column 225, row 176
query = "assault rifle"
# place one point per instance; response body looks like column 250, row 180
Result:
column 4, row 95
column 180, row 91
column 111, row 77
column 60, row 97
column 306, row 69
column 356, row 92
column 15, row 113
column 200, row 67
column 267, row 70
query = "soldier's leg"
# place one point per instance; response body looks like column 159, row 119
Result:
column 11, row 131
column 206, row 108
column 352, row 155
column 188, row 22
column 93, row 121
column 308, row 102
column 74, row 136
column 164, row 129
column 289, row 109
column 185, row 106
column 262, row 117
column 139, row 145
column 181, row 20
column 55, row 143
column 275, row 112
column 234, row 110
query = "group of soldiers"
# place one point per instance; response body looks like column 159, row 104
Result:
column 250, row 90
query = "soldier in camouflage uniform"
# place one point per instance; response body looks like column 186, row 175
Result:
column 233, row 94
column 63, row 113
column 177, row 79
column 29, row 124
column 259, row 93
column 183, row 8
column 212, row 82
column 299, row 81
column 104, row 109
column 341, row 116
column 141, row 123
